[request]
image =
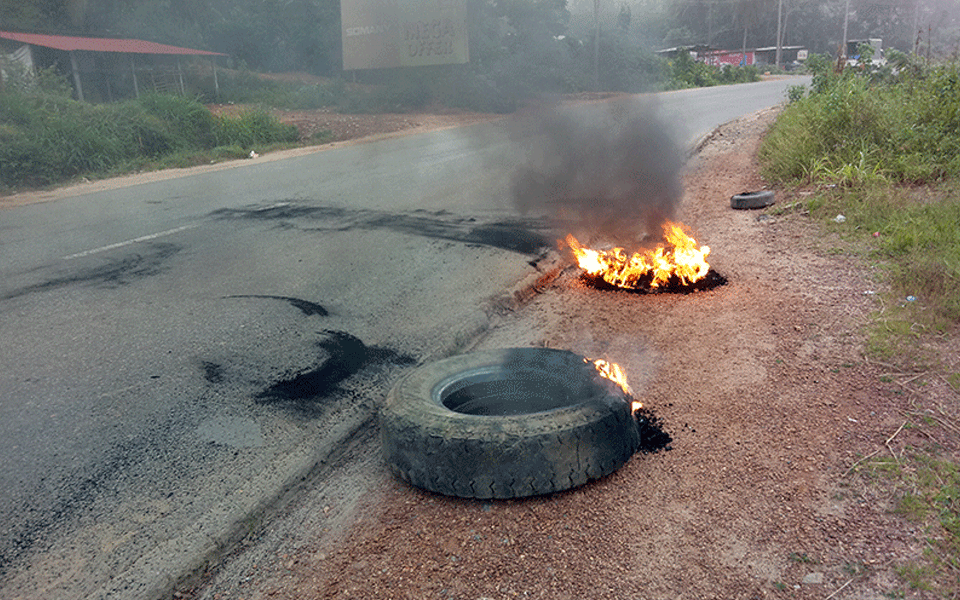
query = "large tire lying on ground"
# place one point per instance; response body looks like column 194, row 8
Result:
column 746, row 200
column 506, row 424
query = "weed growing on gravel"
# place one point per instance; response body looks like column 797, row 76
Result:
column 954, row 380
column 803, row 558
column 913, row 236
column 927, row 492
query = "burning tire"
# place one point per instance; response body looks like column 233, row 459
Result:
column 506, row 424
column 760, row 199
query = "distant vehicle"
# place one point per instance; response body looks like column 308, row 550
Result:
column 853, row 52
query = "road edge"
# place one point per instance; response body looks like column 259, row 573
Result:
column 306, row 462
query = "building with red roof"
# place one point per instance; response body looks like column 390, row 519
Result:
column 106, row 68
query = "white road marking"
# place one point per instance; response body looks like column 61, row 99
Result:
column 143, row 238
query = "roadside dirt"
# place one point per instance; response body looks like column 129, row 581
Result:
column 765, row 389
column 344, row 127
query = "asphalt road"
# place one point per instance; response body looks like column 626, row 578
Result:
column 178, row 354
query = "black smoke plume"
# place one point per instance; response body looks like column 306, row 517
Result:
column 606, row 174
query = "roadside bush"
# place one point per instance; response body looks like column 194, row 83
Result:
column 796, row 92
column 688, row 72
column 852, row 129
column 46, row 139
column 253, row 128
column 192, row 122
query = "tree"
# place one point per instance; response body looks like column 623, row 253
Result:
column 749, row 15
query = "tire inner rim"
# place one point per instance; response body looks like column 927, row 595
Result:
column 505, row 392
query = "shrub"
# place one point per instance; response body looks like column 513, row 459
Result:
column 796, row 92
column 45, row 139
column 905, row 129
column 191, row 122
column 251, row 128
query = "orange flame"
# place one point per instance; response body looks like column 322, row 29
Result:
column 614, row 373
column 684, row 260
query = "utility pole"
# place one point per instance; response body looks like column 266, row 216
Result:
column 779, row 33
column 916, row 29
column 846, row 21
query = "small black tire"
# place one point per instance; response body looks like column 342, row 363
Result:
column 760, row 199
column 577, row 427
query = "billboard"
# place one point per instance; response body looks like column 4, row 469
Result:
column 379, row 34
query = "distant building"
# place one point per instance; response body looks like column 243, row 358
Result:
column 788, row 55
column 104, row 69
column 719, row 58
column 752, row 56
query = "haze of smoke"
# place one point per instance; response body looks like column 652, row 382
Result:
column 608, row 175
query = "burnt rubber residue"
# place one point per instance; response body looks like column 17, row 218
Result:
column 510, row 236
column 652, row 436
column 281, row 210
column 305, row 306
column 673, row 286
column 515, row 235
column 152, row 260
column 212, row 372
column 342, row 355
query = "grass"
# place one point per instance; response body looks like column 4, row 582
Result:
column 882, row 150
column 803, row 558
column 47, row 139
column 926, row 486
column 933, row 502
column 852, row 130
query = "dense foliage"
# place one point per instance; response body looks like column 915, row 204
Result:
column 871, row 124
column 47, row 138
column 883, row 146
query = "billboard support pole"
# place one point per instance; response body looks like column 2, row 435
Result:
column 596, row 45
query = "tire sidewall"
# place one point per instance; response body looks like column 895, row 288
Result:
column 482, row 456
column 414, row 398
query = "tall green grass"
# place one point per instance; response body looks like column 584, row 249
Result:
column 885, row 149
column 853, row 128
column 882, row 147
column 251, row 128
column 47, row 139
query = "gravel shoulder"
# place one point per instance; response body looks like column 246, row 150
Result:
column 770, row 401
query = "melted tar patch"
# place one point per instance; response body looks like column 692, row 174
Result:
column 151, row 260
column 305, row 306
column 343, row 355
